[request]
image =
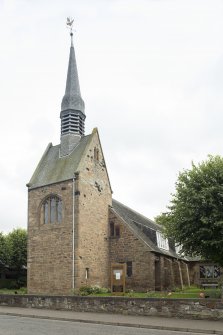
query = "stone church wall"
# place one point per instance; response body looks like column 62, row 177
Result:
column 50, row 245
column 128, row 248
column 94, row 198
column 150, row 271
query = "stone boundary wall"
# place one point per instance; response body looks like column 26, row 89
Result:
column 182, row 308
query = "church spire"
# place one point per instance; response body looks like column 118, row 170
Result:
column 72, row 98
column 72, row 106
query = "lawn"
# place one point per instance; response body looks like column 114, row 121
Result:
column 22, row 290
column 189, row 292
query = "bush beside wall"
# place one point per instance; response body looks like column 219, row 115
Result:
column 8, row 283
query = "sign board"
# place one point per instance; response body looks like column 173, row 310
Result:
column 118, row 271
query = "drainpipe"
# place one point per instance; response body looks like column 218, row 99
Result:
column 73, row 222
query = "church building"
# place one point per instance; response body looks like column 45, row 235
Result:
column 77, row 231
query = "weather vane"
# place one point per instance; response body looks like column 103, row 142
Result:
column 70, row 22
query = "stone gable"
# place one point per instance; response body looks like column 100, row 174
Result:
column 127, row 247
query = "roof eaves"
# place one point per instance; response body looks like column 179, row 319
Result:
column 56, row 182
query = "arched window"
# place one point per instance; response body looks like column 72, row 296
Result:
column 52, row 210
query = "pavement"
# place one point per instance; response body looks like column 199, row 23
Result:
column 150, row 322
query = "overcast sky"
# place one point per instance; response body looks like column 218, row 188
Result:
column 151, row 76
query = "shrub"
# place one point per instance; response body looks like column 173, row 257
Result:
column 88, row 290
column 22, row 281
column 23, row 290
column 130, row 293
column 213, row 294
column 8, row 283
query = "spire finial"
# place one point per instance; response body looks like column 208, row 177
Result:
column 69, row 23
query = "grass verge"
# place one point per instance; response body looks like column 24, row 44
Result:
column 186, row 293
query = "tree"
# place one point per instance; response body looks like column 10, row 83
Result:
column 195, row 214
column 3, row 250
column 16, row 245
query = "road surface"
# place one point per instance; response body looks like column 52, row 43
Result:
column 16, row 325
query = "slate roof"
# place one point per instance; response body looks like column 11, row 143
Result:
column 72, row 98
column 53, row 169
column 144, row 228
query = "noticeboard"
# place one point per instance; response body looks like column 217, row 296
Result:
column 118, row 271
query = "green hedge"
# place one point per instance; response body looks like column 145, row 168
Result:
column 8, row 283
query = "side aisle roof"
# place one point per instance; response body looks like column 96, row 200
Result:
column 144, row 228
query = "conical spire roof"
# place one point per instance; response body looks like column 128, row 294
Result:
column 72, row 99
column 72, row 109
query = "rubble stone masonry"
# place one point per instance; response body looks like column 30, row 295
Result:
column 50, row 258
column 49, row 245
column 128, row 248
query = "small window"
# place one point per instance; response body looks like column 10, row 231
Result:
column 52, row 208
column 114, row 230
column 87, row 273
column 129, row 269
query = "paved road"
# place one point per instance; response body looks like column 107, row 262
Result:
column 15, row 325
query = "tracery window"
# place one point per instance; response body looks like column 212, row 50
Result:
column 210, row 271
column 52, row 210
